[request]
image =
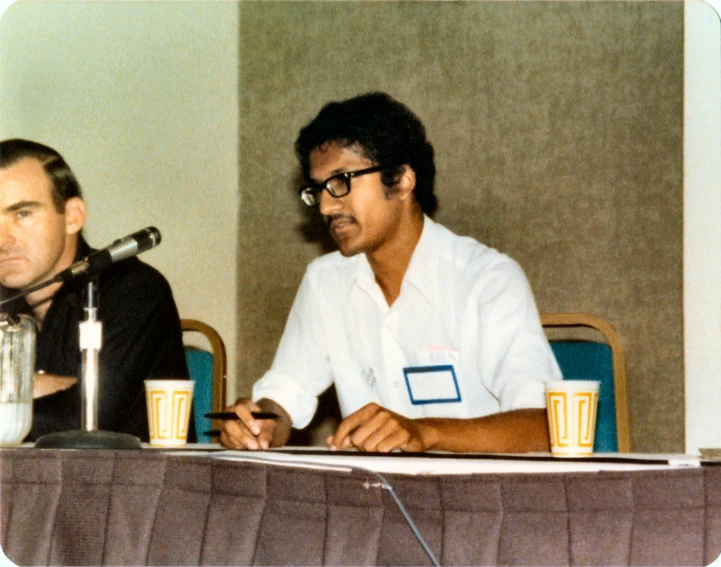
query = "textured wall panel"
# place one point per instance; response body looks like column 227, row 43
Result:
column 558, row 133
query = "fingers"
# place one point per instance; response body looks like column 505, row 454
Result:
column 243, row 409
column 246, row 432
column 391, row 436
column 341, row 439
column 381, row 437
column 374, row 428
column 396, row 440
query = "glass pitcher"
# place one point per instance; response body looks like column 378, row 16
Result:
column 17, row 376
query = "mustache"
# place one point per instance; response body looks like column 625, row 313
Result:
column 330, row 219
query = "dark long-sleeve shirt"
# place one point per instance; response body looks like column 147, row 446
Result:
column 141, row 338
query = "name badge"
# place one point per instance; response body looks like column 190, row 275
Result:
column 432, row 384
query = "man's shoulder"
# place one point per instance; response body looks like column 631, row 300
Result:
column 468, row 255
column 132, row 292
column 134, row 275
column 331, row 272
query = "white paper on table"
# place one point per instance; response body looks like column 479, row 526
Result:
column 449, row 464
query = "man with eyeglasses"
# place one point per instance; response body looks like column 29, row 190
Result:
column 433, row 340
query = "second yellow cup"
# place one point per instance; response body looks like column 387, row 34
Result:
column 572, row 407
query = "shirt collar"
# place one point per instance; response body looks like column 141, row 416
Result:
column 422, row 269
column 422, row 272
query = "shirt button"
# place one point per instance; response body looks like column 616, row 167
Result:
column 396, row 384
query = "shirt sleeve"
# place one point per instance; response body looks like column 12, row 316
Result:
column 301, row 370
column 515, row 357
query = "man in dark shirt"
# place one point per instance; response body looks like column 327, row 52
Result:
column 42, row 214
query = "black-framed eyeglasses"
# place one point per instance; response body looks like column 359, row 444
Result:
column 337, row 185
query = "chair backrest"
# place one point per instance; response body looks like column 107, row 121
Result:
column 604, row 361
column 208, row 370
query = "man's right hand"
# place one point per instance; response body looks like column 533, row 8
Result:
column 254, row 434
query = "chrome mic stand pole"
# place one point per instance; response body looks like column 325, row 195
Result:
column 91, row 339
column 89, row 437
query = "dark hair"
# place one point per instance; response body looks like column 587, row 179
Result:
column 65, row 185
column 385, row 131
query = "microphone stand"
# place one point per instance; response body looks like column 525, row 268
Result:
column 89, row 437
column 91, row 339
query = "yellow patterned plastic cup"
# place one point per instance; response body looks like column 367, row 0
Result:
column 571, row 406
column 169, row 403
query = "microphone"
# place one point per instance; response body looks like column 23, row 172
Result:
column 121, row 249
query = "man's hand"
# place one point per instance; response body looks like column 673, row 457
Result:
column 46, row 384
column 254, row 434
column 374, row 428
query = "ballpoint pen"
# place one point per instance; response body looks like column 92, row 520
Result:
column 229, row 415
column 232, row 415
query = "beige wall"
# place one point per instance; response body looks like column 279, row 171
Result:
column 141, row 99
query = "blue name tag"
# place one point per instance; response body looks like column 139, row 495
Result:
column 432, row 384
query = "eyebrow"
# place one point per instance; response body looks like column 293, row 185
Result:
column 22, row 205
column 334, row 173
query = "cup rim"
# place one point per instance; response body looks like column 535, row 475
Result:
column 573, row 385
column 180, row 383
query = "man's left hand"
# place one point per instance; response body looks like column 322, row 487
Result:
column 374, row 428
column 46, row 384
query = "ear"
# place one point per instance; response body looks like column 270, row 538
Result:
column 75, row 213
column 406, row 183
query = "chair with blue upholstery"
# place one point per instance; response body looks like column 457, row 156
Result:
column 208, row 370
column 585, row 358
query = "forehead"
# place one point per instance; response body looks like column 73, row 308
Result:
column 25, row 180
column 330, row 159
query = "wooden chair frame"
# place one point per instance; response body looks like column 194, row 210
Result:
column 557, row 320
column 220, row 361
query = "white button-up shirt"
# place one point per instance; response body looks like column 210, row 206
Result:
column 461, row 304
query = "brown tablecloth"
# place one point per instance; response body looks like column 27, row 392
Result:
column 149, row 508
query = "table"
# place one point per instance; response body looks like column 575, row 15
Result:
column 67, row 507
